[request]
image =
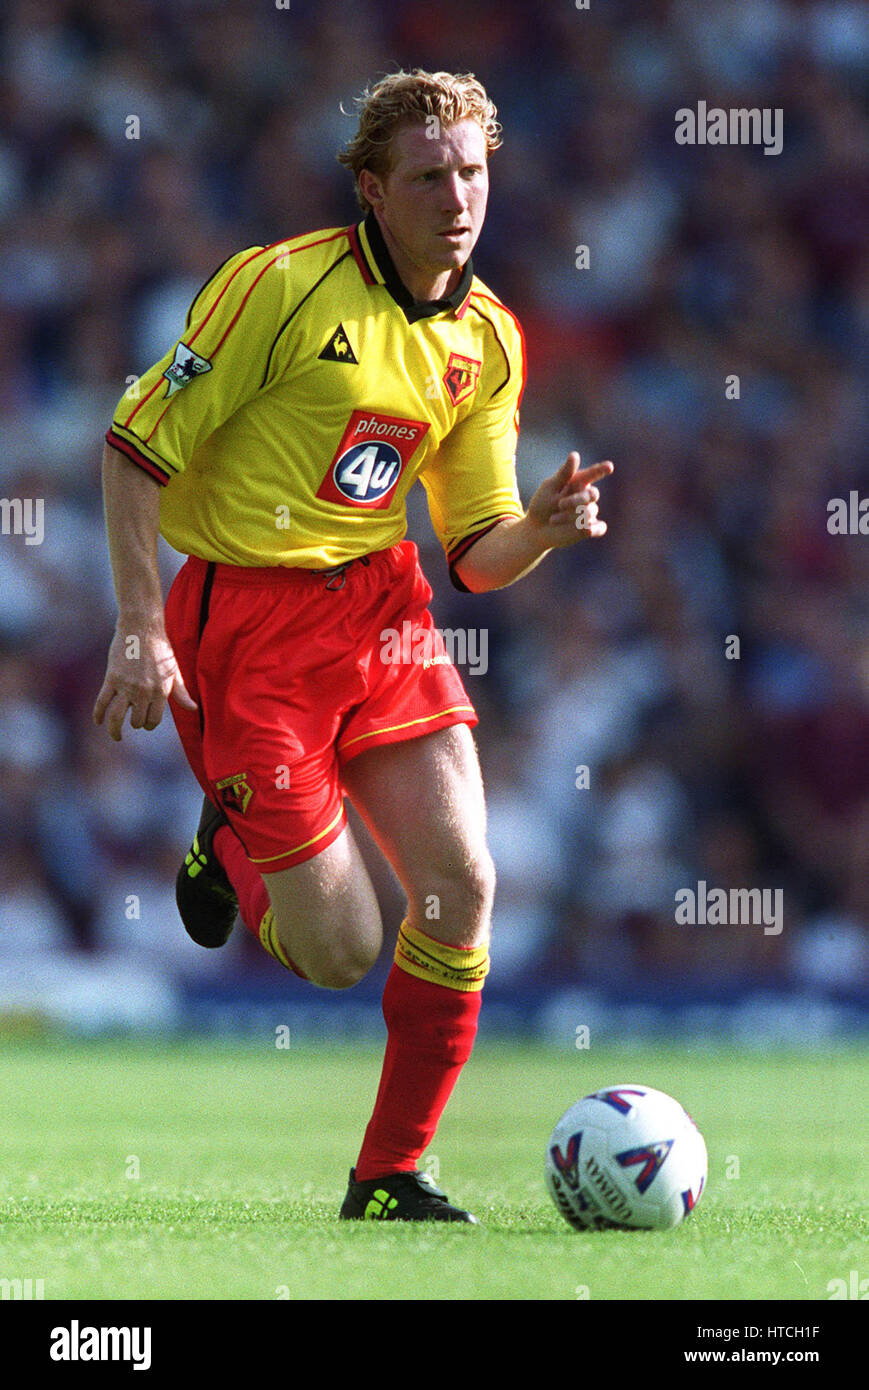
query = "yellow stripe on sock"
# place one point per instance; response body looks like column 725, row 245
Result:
column 270, row 942
column 427, row 959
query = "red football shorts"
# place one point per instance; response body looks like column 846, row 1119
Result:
column 294, row 673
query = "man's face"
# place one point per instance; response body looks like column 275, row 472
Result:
column 432, row 203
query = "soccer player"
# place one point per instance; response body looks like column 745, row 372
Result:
column 275, row 444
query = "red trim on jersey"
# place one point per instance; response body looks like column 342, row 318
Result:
column 262, row 250
column 132, row 415
column 283, row 250
column 135, row 457
column 237, row 313
column 359, row 256
column 464, row 546
column 464, row 306
column 321, row 241
column 492, row 300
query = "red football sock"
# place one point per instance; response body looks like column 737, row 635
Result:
column 245, row 877
column 254, row 903
column 431, row 1033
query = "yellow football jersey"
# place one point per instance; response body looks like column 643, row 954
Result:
column 309, row 391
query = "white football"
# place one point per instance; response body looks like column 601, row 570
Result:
column 626, row 1157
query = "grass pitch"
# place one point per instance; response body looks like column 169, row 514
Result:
column 200, row 1170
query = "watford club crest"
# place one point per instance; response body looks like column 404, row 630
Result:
column 235, row 792
column 461, row 377
column 338, row 348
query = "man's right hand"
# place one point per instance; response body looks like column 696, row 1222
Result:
column 141, row 675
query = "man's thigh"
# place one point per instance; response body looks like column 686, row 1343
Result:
column 424, row 805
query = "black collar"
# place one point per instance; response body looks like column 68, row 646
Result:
column 413, row 308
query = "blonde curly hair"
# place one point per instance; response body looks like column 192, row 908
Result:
column 412, row 98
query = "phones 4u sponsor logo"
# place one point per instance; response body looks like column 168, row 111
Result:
column 373, row 453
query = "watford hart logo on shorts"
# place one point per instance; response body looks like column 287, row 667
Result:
column 373, row 453
column 461, row 377
column 186, row 367
column 235, row 792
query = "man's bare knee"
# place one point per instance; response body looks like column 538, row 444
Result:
column 341, row 969
column 455, row 902
column 329, row 954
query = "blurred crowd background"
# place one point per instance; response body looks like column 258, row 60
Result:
column 742, row 764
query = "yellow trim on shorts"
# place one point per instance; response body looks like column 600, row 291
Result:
column 270, row 858
column 393, row 728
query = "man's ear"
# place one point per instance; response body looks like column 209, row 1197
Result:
column 371, row 187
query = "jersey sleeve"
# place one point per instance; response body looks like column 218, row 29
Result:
column 471, row 482
column 222, row 360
